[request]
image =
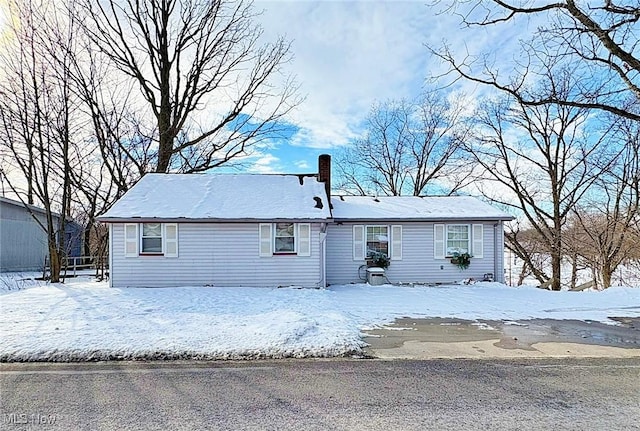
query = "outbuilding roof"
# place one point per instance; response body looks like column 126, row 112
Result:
column 222, row 197
column 414, row 208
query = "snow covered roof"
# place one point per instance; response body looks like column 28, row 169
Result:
column 222, row 197
column 416, row 208
column 279, row 197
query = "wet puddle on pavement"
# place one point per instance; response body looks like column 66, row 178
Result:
column 448, row 337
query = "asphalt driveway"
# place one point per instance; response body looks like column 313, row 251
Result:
column 483, row 339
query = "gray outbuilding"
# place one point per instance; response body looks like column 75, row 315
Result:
column 23, row 242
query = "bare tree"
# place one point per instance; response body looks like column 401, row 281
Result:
column 603, row 225
column 598, row 38
column 408, row 148
column 115, row 154
column 528, row 246
column 202, row 73
column 36, row 113
column 539, row 160
column 594, row 46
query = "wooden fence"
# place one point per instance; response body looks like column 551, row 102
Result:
column 72, row 266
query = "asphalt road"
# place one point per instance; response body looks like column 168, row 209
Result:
column 557, row 394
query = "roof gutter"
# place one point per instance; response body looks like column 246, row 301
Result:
column 435, row 219
column 208, row 220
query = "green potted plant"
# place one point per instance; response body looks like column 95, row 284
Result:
column 461, row 260
column 378, row 259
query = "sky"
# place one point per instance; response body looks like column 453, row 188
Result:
column 347, row 55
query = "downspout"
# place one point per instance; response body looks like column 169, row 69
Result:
column 323, row 256
column 110, row 254
column 496, row 251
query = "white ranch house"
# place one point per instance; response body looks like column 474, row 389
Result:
column 286, row 230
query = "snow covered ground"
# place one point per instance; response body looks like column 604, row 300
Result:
column 86, row 320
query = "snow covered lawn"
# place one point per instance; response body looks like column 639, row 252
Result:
column 86, row 320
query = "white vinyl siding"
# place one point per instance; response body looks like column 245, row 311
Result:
column 478, row 241
column 419, row 262
column 218, row 254
column 131, row 240
column 358, row 242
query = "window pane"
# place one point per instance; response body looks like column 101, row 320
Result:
column 284, row 229
column 284, row 239
column 457, row 239
column 377, row 240
column 152, row 245
column 151, row 229
column 284, row 245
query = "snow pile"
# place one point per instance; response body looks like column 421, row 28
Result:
column 86, row 320
column 12, row 281
column 371, row 306
column 89, row 321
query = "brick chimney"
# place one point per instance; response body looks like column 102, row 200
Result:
column 324, row 174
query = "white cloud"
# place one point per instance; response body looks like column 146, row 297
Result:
column 264, row 164
column 349, row 54
column 346, row 56
column 302, row 164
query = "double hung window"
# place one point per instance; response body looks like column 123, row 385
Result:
column 368, row 240
column 458, row 239
column 151, row 239
column 377, row 240
column 284, row 238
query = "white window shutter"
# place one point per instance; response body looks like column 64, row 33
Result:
column 131, row 240
column 438, row 241
column 171, row 240
column 396, row 242
column 478, row 241
column 304, row 239
column 266, row 242
column 358, row 242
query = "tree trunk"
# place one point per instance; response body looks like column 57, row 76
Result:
column 165, row 146
column 523, row 273
column 86, row 240
column 556, row 270
column 574, row 269
column 54, row 261
column 606, row 274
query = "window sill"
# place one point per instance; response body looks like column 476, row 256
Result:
column 151, row 254
column 286, row 253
